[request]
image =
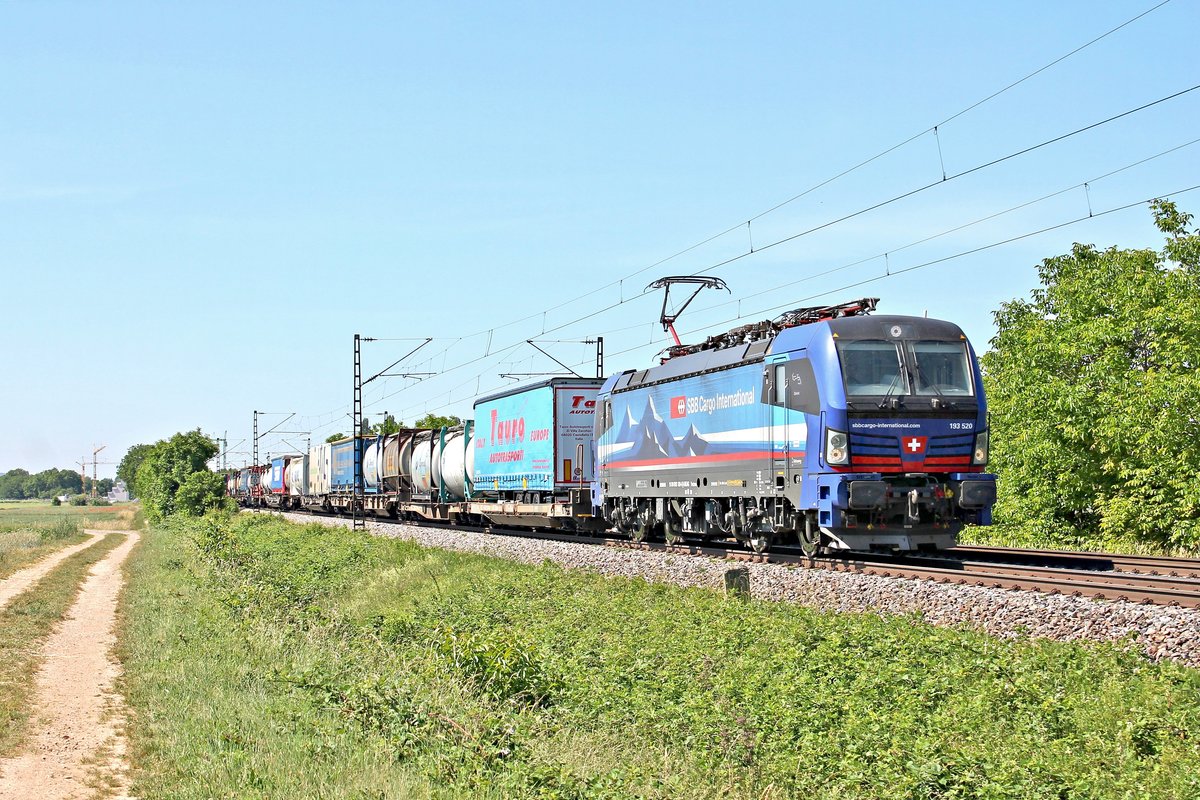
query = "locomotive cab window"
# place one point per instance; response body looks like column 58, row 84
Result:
column 940, row 368
column 872, row 368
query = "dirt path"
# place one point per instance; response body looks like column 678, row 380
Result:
column 21, row 580
column 77, row 742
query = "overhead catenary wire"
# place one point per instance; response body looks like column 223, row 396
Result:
column 827, row 181
column 757, row 249
column 873, row 207
column 932, row 262
column 793, row 237
column 892, row 251
column 894, row 272
column 977, row 168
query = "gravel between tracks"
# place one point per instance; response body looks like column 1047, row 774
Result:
column 1161, row 632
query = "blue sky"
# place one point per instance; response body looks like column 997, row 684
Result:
column 201, row 205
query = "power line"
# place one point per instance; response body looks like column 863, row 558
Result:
column 945, row 180
column 834, row 222
column 873, row 207
column 946, row 232
column 831, row 179
column 622, row 301
column 930, row 263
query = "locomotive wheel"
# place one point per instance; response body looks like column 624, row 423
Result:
column 639, row 532
column 810, row 537
column 672, row 533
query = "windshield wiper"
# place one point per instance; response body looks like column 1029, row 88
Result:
column 888, row 399
column 939, row 401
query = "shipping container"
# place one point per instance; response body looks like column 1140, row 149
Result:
column 319, row 470
column 341, row 473
column 297, row 476
column 274, row 480
column 535, row 438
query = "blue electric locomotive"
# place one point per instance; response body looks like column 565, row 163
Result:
column 829, row 427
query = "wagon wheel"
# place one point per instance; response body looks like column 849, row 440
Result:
column 810, row 537
column 672, row 532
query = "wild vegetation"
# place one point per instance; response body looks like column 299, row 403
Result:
column 1094, row 391
column 336, row 661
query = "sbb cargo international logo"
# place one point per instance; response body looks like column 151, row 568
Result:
column 678, row 407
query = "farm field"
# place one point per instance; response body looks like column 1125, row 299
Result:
column 270, row 659
column 31, row 530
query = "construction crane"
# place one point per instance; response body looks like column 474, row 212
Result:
column 95, row 463
column 82, row 475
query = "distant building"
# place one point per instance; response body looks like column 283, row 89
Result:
column 119, row 493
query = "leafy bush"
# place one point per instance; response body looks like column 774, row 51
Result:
column 79, row 500
column 200, row 493
column 164, row 469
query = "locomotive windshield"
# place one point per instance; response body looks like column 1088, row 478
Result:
column 873, row 368
column 879, row 368
column 940, row 368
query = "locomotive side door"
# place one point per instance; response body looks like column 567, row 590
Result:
column 775, row 388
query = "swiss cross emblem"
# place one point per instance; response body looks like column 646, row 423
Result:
column 914, row 445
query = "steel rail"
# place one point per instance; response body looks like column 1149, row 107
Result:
column 1154, row 565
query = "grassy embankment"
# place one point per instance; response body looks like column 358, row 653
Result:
column 265, row 659
column 25, row 623
column 31, row 530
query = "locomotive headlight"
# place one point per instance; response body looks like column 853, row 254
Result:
column 837, row 448
column 981, row 449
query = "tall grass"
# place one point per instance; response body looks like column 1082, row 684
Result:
column 22, row 543
column 124, row 518
column 291, row 648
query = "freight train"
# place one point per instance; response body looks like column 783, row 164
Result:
column 829, row 428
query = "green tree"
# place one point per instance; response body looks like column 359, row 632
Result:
column 436, row 421
column 200, row 492
column 387, row 426
column 168, row 466
column 337, row 437
column 1095, row 396
column 127, row 469
column 19, row 484
column 12, row 484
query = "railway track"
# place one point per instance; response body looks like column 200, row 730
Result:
column 1106, row 576
column 1162, row 589
column 1149, row 565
